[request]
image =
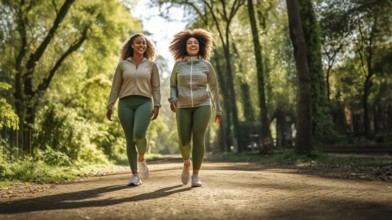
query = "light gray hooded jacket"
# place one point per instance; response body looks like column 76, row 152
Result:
column 188, row 84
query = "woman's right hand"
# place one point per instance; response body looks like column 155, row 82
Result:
column 173, row 107
column 109, row 114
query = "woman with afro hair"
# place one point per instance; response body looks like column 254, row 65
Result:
column 136, row 83
column 193, row 86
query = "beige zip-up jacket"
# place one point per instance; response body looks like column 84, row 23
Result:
column 188, row 84
column 129, row 79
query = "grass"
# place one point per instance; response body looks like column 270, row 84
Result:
column 291, row 159
column 29, row 170
column 42, row 173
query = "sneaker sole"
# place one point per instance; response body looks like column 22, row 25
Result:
column 134, row 184
column 196, row 185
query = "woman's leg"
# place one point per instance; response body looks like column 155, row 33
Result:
column 201, row 119
column 142, row 120
column 126, row 116
column 184, row 126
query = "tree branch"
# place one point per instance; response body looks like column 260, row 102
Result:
column 46, row 82
column 34, row 58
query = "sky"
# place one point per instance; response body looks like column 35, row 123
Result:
column 161, row 29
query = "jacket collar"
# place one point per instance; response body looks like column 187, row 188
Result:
column 189, row 59
column 130, row 60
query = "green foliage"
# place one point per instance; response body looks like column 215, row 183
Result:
column 92, row 155
column 8, row 118
column 64, row 131
column 92, row 98
column 31, row 169
column 4, row 165
column 55, row 158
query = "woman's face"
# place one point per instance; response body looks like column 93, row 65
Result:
column 139, row 45
column 192, row 46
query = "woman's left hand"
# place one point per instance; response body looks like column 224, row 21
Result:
column 218, row 119
column 155, row 113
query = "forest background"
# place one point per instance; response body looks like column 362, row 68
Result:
column 58, row 59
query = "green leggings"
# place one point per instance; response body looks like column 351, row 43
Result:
column 192, row 123
column 134, row 113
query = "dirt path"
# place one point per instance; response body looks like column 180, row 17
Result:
column 230, row 191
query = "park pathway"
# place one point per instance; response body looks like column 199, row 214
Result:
column 230, row 191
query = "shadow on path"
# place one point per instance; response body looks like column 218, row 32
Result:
column 75, row 199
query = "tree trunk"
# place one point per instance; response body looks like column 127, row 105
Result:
column 225, row 128
column 231, row 93
column 365, row 104
column 245, row 93
column 323, row 128
column 265, row 131
column 303, row 141
column 246, row 102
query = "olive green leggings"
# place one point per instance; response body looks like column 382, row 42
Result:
column 192, row 123
column 134, row 113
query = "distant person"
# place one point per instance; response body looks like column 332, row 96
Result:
column 192, row 74
column 135, row 82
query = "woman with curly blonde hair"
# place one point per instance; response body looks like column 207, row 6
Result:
column 136, row 82
column 192, row 81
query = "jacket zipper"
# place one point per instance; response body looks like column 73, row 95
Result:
column 190, row 83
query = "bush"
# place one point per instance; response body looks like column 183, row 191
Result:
column 55, row 158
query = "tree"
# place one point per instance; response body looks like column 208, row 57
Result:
column 26, row 96
column 366, row 48
column 323, row 129
column 265, row 131
column 303, row 142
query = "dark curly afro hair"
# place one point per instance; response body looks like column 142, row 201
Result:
column 178, row 45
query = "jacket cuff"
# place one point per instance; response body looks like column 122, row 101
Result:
column 172, row 99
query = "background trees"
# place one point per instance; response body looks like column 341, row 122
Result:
column 354, row 41
column 59, row 56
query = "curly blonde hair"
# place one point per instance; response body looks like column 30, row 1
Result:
column 127, row 50
column 178, row 45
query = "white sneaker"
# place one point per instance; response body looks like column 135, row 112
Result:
column 186, row 174
column 135, row 180
column 196, row 181
column 143, row 169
